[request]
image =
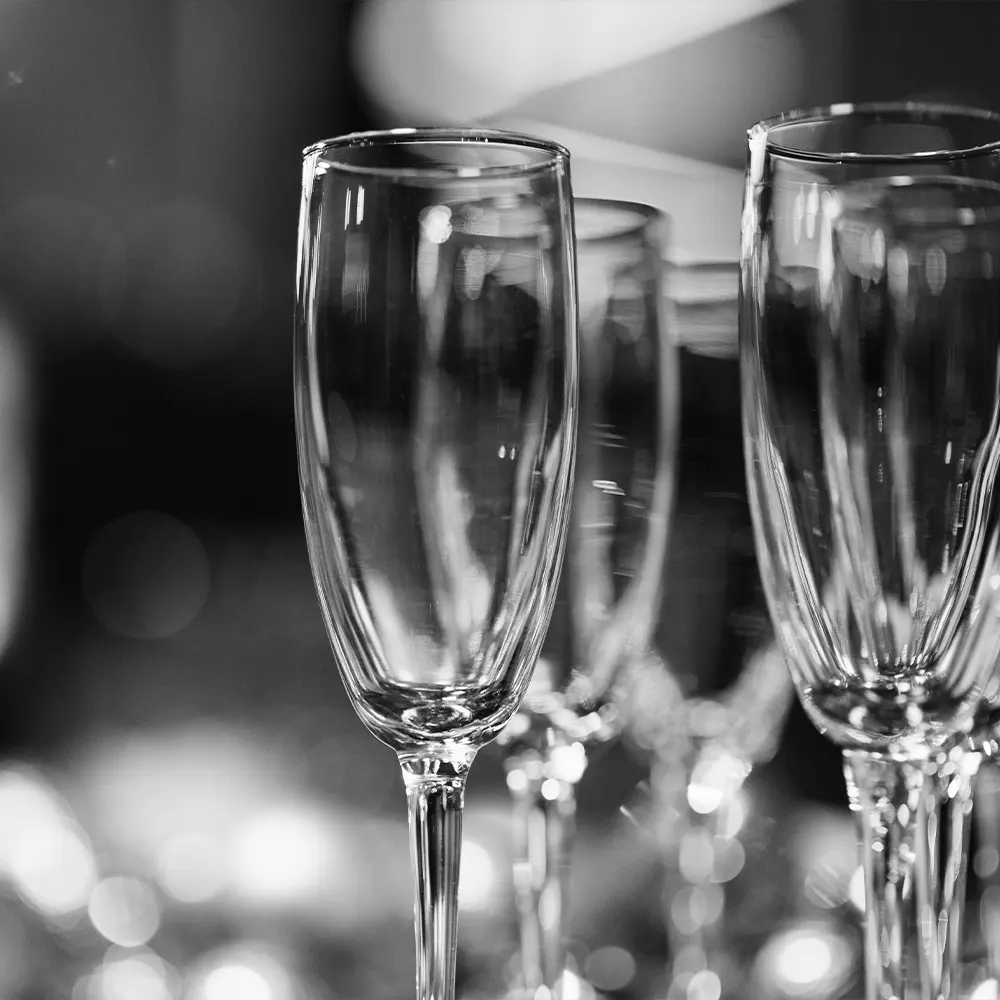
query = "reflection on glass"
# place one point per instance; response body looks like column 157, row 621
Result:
column 435, row 397
column 611, row 584
column 869, row 350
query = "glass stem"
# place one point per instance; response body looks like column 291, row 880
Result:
column 544, row 825
column 911, row 822
column 435, row 793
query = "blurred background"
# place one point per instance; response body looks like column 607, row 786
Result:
column 189, row 808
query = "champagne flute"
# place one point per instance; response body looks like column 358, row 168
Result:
column 869, row 334
column 611, row 583
column 436, row 407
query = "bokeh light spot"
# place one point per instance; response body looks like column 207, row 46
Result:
column 572, row 987
column 68, row 263
column 729, row 859
column 696, row 855
column 189, row 866
column 146, row 575
column 696, row 906
column 715, row 779
column 478, row 879
column 53, row 870
column 236, row 982
column 283, row 855
column 810, row 960
column 610, row 969
column 704, row 985
column 985, row 861
column 43, row 852
column 246, row 972
column 134, row 976
column 191, row 270
column 124, row 910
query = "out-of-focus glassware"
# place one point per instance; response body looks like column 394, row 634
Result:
column 702, row 746
column 869, row 333
column 611, row 583
column 436, row 403
column 708, row 702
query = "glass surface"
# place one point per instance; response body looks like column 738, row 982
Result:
column 610, row 590
column 871, row 408
column 435, row 391
column 435, row 405
column 624, row 486
column 869, row 332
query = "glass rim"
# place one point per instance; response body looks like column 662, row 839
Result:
column 645, row 215
column 833, row 112
column 442, row 134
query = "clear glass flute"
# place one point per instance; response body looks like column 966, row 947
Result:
column 436, row 406
column 870, row 356
column 611, row 583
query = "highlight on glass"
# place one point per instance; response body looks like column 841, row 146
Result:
column 435, row 372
